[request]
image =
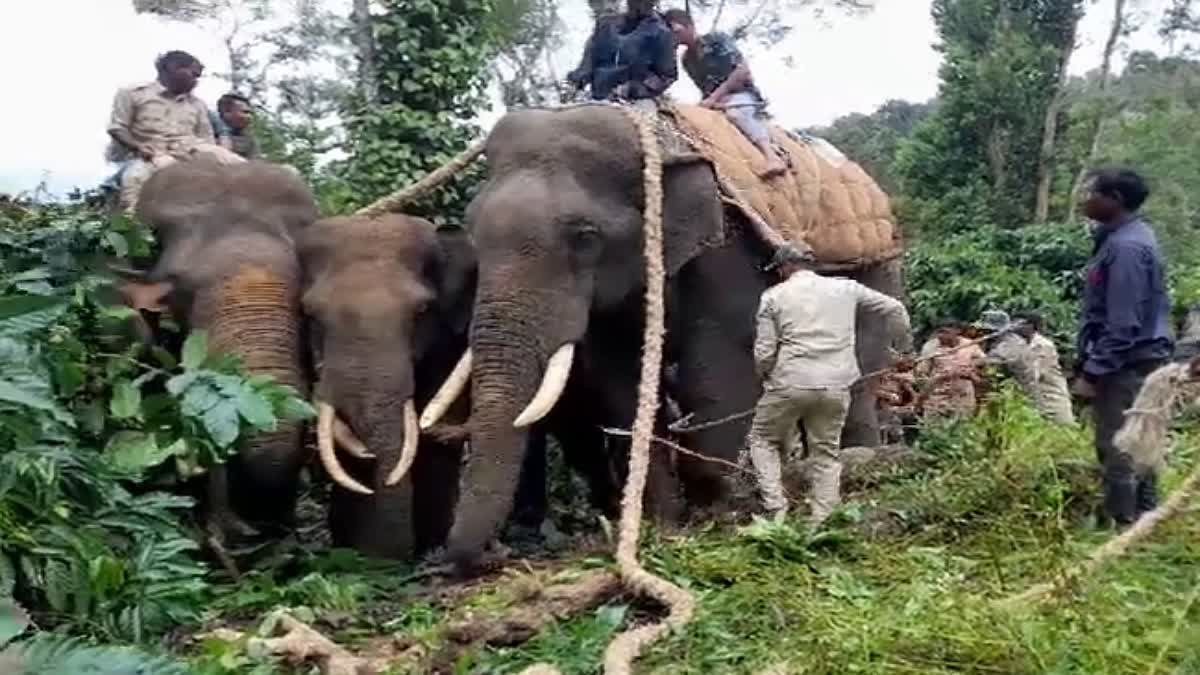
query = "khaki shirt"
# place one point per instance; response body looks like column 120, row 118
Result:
column 1012, row 353
column 170, row 124
column 1053, row 394
column 806, row 331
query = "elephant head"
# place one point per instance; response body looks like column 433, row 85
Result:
column 558, row 227
column 389, row 299
column 228, row 266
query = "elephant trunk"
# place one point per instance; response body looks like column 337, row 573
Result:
column 368, row 388
column 254, row 314
column 510, row 356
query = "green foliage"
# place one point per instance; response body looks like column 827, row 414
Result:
column 980, row 148
column 872, row 140
column 431, row 56
column 57, row 655
column 87, row 416
column 1033, row 268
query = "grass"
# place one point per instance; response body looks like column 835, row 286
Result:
column 1000, row 504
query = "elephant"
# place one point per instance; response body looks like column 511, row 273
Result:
column 559, row 307
column 389, row 300
column 228, row 265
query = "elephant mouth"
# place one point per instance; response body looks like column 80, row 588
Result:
column 549, row 391
column 331, row 429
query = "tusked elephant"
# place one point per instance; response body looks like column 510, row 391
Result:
column 558, row 227
column 228, row 265
column 389, row 301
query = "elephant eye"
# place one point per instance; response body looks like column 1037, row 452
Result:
column 586, row 243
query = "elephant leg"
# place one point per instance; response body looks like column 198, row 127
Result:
column 435, row 492
column 530, row 503
column 713, row 323
column 862, row 420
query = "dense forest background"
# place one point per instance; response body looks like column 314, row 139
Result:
column 101, row 436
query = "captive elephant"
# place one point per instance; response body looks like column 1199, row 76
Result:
column 229, row 266
column 389, row 301
column 558, row 313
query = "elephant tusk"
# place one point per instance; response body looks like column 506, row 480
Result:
column 554, row 381
column 325, row 418
column 449, row 393
column 409, row 452
column 348, row 441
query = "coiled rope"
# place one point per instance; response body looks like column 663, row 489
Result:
column 625, row 648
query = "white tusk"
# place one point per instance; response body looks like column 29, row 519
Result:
column 409, row 452
column 348, row 441
column 449, row 393
column 325, row 417
column 554, row 380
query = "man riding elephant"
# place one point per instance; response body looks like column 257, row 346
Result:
column 629, row 56
column 156, row 124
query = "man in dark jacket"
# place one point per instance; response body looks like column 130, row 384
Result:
column 1124, row 333
column 629, row 56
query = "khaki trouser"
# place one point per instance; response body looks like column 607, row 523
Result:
column 823, row 413
column 138, row 171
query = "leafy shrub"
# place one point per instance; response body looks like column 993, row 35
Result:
column 87, row 416
column 1033, row 268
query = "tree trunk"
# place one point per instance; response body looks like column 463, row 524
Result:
column 364, row 46
column 1114, row 34
column 1041, row 211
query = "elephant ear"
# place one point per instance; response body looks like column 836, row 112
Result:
column 456, row 272
column 693, row 219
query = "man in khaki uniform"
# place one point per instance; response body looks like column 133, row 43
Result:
column 949, row 371
column 1009, row 351
column 1051, row 393
column 155, row 124
column 805, row 354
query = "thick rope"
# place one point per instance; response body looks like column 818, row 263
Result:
column 625, row 648
column 400, row 198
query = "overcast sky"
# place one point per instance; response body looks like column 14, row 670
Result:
column 68, row 57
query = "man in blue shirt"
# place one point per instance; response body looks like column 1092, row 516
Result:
column 629, row 56
column 1124, row 333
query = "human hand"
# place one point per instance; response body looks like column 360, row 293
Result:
column 711, row 103
column 147, row 152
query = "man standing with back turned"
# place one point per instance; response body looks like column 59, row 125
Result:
column 805, row 355
column 1124, row 334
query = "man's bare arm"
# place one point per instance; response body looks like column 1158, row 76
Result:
column 736, row 80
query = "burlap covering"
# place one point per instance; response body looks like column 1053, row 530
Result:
column 825, row 200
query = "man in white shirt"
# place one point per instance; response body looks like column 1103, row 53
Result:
column 805, row 355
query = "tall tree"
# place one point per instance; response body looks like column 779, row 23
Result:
column 1041, row 209
column 974, row 159
column 1116, row 30
column 364, row 47
column 432, row 58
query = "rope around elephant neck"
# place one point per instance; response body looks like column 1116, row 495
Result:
column 398, row 199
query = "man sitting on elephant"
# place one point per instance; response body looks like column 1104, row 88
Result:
column 629, row 56
column 805, row 353
column 722, row 74
column 155, row 124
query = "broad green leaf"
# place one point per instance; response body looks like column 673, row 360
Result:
column 221, row 422
column 178, row 384
column 200, row 398
column 195, row 350
column 24, row 314
column 134, row 451
column 295, row 409
column 12, row 393
column 126, row 400
column 255, row 409
column 13, row 620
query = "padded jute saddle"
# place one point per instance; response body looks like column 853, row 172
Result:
column 824, row 199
